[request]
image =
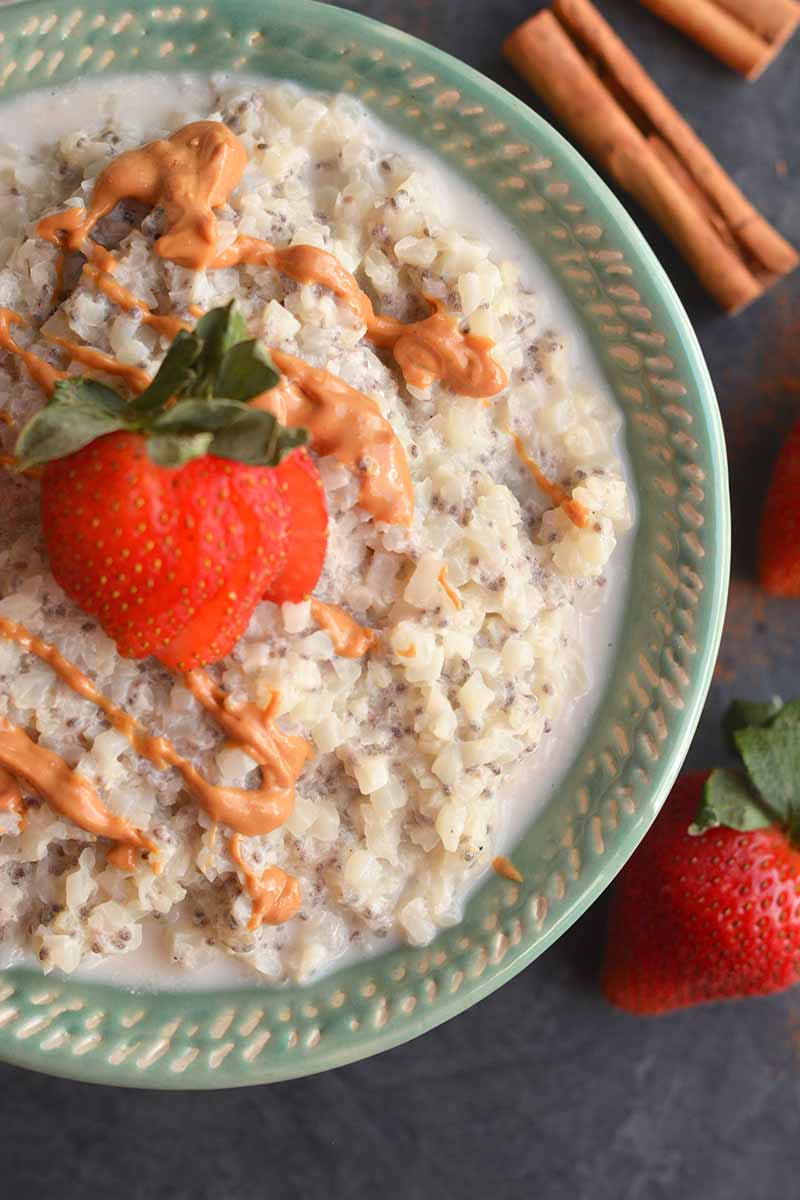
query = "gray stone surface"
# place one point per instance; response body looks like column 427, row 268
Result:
column 541, row 1091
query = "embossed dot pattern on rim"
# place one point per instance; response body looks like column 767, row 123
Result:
column 676, row 601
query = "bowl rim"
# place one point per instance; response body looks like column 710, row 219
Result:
column 325, row 17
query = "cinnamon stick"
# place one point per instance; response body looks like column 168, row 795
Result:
column 596, row 87
column 745, row 34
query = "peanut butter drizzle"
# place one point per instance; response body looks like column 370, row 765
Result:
column 103, row 259
column 64, row 789
column 342, row 421
column 189, row 175
column 577, row 513
column 89, row 814
column 170, row 326
column 193, row 173
column 449, row 590
column 47, row 377
column 347, row 424
column 5, row 416
column 350, row 640
column 122, row 857
column 275, row 895
column 250, row 811
column 504, row 866
column 11, row 796
column 96, row 253
column 280, row 756
column 149, row 747
column 434, row 348
column 40, row 371
column 136, row 379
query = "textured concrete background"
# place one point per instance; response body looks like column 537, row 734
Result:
column 541, row 1091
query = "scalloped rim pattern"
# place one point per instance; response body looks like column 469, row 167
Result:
column 679, row 575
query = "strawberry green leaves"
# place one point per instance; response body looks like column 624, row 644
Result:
column 175, row 376
column 175, row 450
column 245, row 371
column 771, row 755
column 198, row 403
column 218, row 332
column 767, row 739
column 742, row 713
column 80, row 411
column 728, row 799
column 229, row 428
column 255, row 437
column 216, row 359
column 195, row 416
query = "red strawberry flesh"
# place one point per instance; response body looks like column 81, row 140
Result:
column 301, row 490
column 159, row 553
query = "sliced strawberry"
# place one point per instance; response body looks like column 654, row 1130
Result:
column 307, row 514
column 170, row 516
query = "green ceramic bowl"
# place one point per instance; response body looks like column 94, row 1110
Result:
column 674, row 613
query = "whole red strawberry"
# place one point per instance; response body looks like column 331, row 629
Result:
column 170, row 517
column 779, row 563
column 714, row 913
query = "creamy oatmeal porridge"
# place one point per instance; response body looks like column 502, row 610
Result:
column 447, row 639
